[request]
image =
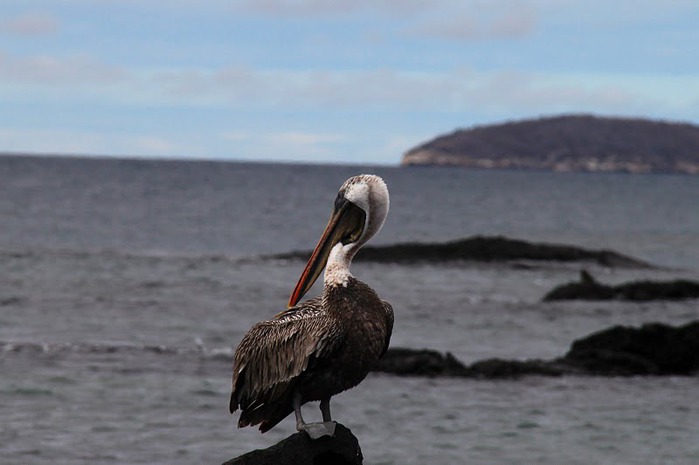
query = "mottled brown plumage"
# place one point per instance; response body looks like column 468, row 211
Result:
column 327, row 344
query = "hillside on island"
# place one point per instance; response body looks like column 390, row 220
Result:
column 568, row 143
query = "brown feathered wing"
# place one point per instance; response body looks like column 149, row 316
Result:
column 274, row 355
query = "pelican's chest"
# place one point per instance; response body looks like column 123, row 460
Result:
column 364, row 328
column 363, row 316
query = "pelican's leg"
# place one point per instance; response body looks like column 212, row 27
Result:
column 327, row 420
column 325, row 409
column 314, row 430
column 296, row 403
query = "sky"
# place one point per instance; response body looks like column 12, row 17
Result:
column 345, row 81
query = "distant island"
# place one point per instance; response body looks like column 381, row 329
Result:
column 568, row 143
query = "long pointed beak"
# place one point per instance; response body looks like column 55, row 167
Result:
column 346, row 220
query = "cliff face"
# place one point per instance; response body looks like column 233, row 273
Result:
column 568, row 143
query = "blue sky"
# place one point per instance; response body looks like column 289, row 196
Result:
column 349, row 81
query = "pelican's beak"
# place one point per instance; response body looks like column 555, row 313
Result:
column 346, row 225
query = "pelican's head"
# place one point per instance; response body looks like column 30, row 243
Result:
column 359, row 212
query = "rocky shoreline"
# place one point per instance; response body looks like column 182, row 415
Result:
column 654, row 349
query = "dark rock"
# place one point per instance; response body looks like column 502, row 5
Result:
column 427, row 362
column 658, row 290
column 493, row 249
column 419, row 362
column 496, row 368
column 486, row 249
column 586, row 289
column 652, row 349
column 589, row 289
column 342, row 449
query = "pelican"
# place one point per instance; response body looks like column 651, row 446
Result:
column 327, row 344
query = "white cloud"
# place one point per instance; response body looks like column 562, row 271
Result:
column 30, row 24
column 465, row 20
column 512, row 22
column 82, row 78
column 338, row 8
column 76, row 142
column 70, row 71
column 382, row 89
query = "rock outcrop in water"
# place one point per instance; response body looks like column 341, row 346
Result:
column 590, row 289
column 568, row 143
column 342, row 449
column 432, row 363
column 652, row 349
column 484, row 249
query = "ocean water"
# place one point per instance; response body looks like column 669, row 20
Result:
column 126, row 285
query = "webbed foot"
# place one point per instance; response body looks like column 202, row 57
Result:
column 320, row 429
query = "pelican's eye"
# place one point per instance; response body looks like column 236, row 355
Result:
column 340, row 200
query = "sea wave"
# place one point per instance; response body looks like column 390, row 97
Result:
column 8, row 348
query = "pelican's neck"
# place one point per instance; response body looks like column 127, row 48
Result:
column 337, row 269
